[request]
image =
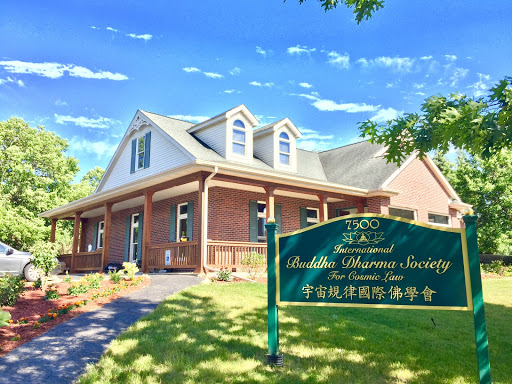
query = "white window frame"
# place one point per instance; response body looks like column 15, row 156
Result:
column 313, row 220
column 415, row 213
column 99, row 236
column 137, row 153
column 440, row 214
column 233, row 141
column 181, row 216
column 351, row 210
column 262, row 215
column 132, row 258
column 289, row 154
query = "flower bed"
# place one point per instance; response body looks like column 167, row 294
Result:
column 32, row 315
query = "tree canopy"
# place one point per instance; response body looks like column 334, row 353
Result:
column 486, row 184
column 480, row 126
column 362, row 9
column 35, row 176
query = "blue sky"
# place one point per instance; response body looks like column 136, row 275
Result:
column 83, row 68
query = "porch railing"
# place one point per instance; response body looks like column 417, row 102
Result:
column 173, row 255
column 83, row 261
column 230, row 253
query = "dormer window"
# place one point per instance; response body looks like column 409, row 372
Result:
column 239, row 138
column 284, row 148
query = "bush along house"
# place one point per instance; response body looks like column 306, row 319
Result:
column 184, row 196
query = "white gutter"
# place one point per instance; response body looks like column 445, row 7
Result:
column 204, row 229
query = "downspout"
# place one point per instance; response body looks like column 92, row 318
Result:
column 204, row 231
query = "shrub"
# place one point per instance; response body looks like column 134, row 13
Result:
column 4, row 318
column 78, row 289
column 114, row 276
column 129, row 270
column 51, row 294
column 94, row 280
column 37, row 283
column 254, row 264
column 67, row 278
column 224, row 275
column 11, row 288
column 44, row 258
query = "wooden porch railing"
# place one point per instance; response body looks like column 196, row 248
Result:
column 180, row 255
column 83, row 261
column 229, row 253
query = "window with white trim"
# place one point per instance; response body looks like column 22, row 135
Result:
column 262, row 220
column 238, row 145
column 312, row 215
column 401, row 212
column 134, row 237
column 348, row 211
column 437, row 219
column 140, row 153
column 284, row 148
column 99, row 240
column 182, row 221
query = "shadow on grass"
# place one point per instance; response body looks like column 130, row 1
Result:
column 197, row 337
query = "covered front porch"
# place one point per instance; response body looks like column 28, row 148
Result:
column 215, row 232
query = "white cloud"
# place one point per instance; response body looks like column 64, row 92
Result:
column 258, row 84
column 418, row 85
column 144, row 37
column 56, row 70
column 480, row 88
column 93, row 27
column 426, row 57
column 213, row 75
column 299, row 50
column 194, row 119
column 331, row 106
column 458, row 74
column 86, row 122
column 386, row 114
column 60, row 103
column 99, row 148
column 9, row 79
column 338, row 60
column 397, row 64
column 305, row 85
column 420, row 93
column 450, row 57
column 229, row 91
column 112, row 29
column 235, row 71
column 316, row 136
column 191, row 69
column 261, row 51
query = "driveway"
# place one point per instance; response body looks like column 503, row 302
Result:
column 61, row 354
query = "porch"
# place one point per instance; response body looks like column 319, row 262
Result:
column 181, row 255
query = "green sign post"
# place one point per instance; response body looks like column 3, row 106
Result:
column 373, row 260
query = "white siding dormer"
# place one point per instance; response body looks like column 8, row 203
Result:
column 229, row 134
column 275, row 144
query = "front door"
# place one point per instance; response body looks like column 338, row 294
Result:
column 134, row 238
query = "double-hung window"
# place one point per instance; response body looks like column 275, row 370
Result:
column 182, row 221
column 262, row 220
column 101, row 227
column 239, row 142
column 284, row 148
column 312, row 215
column 141, row 148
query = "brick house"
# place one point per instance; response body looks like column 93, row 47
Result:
column 178, row 195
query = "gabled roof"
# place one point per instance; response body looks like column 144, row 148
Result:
column 272, row 127
column 360, row 165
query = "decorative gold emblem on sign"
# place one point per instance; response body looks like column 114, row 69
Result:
column 363, row 238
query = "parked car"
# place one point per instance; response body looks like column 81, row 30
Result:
column 20, row 263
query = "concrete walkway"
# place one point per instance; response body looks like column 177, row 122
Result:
column 61, row 354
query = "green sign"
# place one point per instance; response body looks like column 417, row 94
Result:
column 373, row 260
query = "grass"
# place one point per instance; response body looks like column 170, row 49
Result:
column 217, row 334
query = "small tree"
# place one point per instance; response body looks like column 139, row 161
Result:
column 254, row 264
column 44, row 259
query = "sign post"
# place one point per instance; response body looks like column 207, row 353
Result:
column 273, row 356
column 482, row 345
column 377, row 261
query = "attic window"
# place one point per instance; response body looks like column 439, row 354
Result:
column 284, row 148
column 239, row 138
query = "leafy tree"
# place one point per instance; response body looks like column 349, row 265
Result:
column 35, row 176
column 481, row 126
column 362, row 9
column 44, row 259
column 486, row 184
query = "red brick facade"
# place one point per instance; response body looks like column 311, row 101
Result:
column 228, row 209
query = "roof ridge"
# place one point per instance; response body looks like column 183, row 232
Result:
column 346, row 145
column 168, row 117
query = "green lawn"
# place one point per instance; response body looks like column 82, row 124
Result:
column 217, row 334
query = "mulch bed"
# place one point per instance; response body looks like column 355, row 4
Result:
column 32, row 304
